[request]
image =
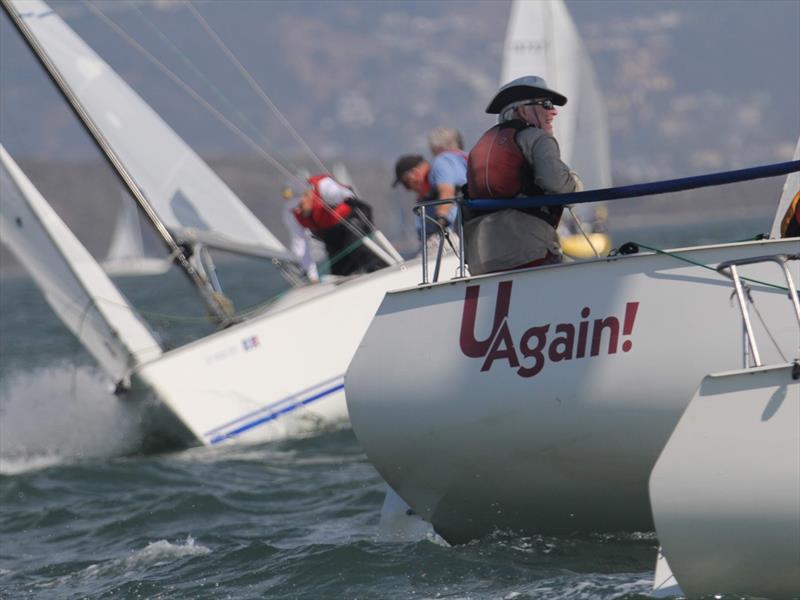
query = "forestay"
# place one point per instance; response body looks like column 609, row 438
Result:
column 72, row 282
column 542, row 40
column 188, row 197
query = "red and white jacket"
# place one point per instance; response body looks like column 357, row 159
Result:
column 328, row 206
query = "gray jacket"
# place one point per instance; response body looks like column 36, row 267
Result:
column 510, row 238
column 541, row 151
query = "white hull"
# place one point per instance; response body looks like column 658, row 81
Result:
column 726, row 488
column 567, row 448
column 277, row 374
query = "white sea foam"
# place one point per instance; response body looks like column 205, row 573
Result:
column 590, row 586
column 155, row 553
column 59, row 414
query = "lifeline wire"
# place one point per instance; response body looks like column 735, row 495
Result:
column 699, row 264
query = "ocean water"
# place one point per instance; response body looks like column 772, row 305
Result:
column 86, row 512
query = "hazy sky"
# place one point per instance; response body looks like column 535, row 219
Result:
column 717, row 78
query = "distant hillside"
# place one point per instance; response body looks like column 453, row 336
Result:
column 690, row 86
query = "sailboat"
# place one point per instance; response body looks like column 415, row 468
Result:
column 541, row 39
column 725, row 489
column 538, row 400
column 266, row 375
column 127, row 255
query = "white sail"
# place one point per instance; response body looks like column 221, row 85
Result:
column 189, row 198
column 127, row 254
column 342, row 175
column 542, row 40
column 791, row 188
column 72, row 282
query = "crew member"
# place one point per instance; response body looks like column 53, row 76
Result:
column 518, row 157
column 332, row 213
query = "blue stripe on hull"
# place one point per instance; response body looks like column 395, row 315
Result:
column 275, row 410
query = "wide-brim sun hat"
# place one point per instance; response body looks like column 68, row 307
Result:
column 529, row 87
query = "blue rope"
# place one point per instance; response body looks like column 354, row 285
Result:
column 639, row 189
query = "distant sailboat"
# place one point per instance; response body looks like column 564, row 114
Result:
column 127, row 255
column 542, row 39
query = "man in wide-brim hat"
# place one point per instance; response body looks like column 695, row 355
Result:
column 518, row 157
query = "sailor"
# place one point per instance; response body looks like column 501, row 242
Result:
column 333, row 213
column 518, row 157
column 438, row 179
column 449, row 165
column 299, row 236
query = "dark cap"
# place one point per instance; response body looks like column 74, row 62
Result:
column 404, row 164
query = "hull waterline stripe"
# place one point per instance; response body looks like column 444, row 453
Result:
column 274, row 405
column 274, row 415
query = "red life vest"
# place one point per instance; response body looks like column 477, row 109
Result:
column 496, row 167
column 322, row 215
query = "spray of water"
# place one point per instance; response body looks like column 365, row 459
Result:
column 62, row 414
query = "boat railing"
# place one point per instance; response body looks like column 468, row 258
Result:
column 484, row 205
column 730, row 269
column 441, row 232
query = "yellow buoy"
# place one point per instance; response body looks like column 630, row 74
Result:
column 576, row 245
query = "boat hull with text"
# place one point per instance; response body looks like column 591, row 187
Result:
column 539, row 400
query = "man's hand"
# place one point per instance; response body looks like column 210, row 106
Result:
column 442, row 221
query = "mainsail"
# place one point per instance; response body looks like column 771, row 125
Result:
column 72, row 282
column 542, row 40
column 185, row 193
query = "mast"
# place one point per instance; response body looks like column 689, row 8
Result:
column 216, row 304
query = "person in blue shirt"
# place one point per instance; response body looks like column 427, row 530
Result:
column 440, row 178
column 449, row 166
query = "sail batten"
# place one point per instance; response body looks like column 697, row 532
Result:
column 72, row 282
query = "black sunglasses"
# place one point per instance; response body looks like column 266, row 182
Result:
column 545, row 104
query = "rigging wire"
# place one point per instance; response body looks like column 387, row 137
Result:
column 253, row 84
column 199, row 73
column 270, row 104
column 216, row 113
column 192, row 92
column 579, row 225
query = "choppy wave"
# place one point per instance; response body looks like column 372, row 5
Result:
column 52, row 415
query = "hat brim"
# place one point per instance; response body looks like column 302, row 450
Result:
column 523, row 92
